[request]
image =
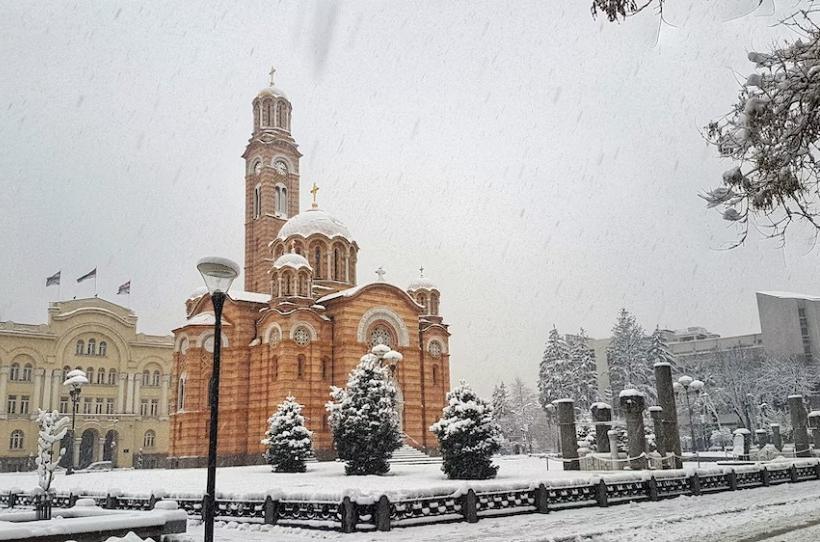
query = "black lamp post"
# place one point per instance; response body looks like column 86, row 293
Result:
column 75, row 380
column 218, row 274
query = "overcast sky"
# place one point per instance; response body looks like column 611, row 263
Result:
column 542, row 166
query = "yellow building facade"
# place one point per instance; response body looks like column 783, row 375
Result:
column 122, row 415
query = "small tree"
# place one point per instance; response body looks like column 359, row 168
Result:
column 467, row 435
column 287, row 439
column 363, row 415
column 53, row 428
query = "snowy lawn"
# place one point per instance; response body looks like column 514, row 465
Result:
column 326, row 478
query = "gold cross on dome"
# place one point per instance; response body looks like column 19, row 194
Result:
column 272, row 71
column 421, row 271
column 314, row 191
column 381, row 272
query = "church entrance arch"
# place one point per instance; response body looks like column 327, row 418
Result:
column 88, row 445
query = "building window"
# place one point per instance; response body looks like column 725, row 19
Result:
column 14, row 373
column 317, row 262
column 87, row 405
column 435, row 375
column 112, row 376
column 181, row 393
column 92, row 347
column 301, row 336
column 109, row 406
column 154, row 408
column 103, row 348
column 80, row 348
column 325, row 369
column 98, row 406
column 27, row 372
column 149, row 439
column 89, row 374
column 16, row 440
column 257, row 201
column 300, row 367
column 381, row 335
column 275, row 368
column 101, row 376
column 435, row 349
column 155, row 377
column 144, row 407
column 24, row 402
column 11, row 404
column 282, row 200
column 63, row 405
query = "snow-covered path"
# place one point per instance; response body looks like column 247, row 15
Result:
column 753, row 515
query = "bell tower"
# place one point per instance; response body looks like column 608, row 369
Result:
column 271, row 182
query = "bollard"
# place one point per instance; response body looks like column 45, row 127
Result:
column 652, row 489
column 542, row 499
column 270, row 510
column 793, row 474
column 349, row 515
column 765, row 478
column 694, row 484
column 382, row 516
column 469, row 506
column 731, row 477
column 601, row 494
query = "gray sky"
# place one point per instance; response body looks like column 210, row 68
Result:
column 542, row 166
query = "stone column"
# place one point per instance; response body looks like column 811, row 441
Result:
column 656, row 413
column 4, row 382
column 602, row 418
column 569, row 438
column 761, row 438
column 632, row 405
column 38, row 389
column 98, row 453
column 46, row 390
column 120, row 404
column 669, row 414
column 137, row 384
column 129, row 403
column 777, row 440
column 801, row 434
column 56, row 388
column 814, row 423
column 163, row 398
column 76, row 457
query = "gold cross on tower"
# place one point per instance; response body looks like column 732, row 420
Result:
column 314, row 191
column 272, row 71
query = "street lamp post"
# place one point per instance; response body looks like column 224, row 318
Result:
column 685, row 384
column 74, row 380
column 218, row 274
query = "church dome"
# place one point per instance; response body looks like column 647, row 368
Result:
column 273, row 92
column 421, row 283
column 291, row 259
column 314, row 221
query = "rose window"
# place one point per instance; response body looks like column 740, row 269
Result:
column 380, row 335
column 435, row 349
column 301, row 336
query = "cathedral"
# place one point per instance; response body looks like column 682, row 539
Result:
column 302, row 322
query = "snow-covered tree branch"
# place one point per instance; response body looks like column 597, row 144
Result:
column 53, row 428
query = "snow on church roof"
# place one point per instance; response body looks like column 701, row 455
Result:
column 791, row 295
column 291, row 259
column 314, row 220
column 421, row 283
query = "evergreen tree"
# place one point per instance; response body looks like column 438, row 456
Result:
column 555, row 372
column 467, row 435
column 524, row 410
column 363, row 416
column 287, row 439
column 658, row 350
column 500, row 402
column 628, row 364
column 585, row 372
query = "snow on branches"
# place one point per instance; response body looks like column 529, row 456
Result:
column 53, row 428
column 772, row 135
column 287, row 440
column 468, row 436
column 363, row 416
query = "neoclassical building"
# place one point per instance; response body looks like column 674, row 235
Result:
column 123, row 412
column 303, row 321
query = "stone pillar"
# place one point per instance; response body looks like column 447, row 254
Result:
column 163, row 398
column 129, row 403
column 761, row 438
column 747, row 443
column 814, row 423
column 613, row 447
column 47, row 390
column 136, row 399
column 4, row 382
column 632, row 405
column 56, row 388
column 76, row 457
column 669, row 414
column 777, row 439
column 569, row 438
column 38, row 389
column 98, row 452
column 602, row 418
column 656, row 413
column 120, row 405
column 801, row 434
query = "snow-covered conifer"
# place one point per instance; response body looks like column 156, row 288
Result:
column 287, row 440
column 363, row 416
column 555, row 378
column 467, row 435
column 584, row 372
column 629, row 367
column 53, row 428
column 658, row 350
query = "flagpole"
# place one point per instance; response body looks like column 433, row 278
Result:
column 96, row 272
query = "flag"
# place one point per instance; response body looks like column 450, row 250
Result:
column 124, row 288
column 90, row 275
column 53, row 279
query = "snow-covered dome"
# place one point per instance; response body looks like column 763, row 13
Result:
column 312, row 221
column 291, row 259
column 421, row 283
column 272, row 91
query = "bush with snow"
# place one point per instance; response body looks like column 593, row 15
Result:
column 467, row 435
column 363, row 416
column 53, row 428
column 287, row 440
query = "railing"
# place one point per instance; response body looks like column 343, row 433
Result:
column 467, row 504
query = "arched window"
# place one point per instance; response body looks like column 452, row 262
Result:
column 16, row 440
column 271, row 113
column 80, row 348
column 300, row 366
column 149, row 439
column 275, row 367
column 14, row 373
column 336, row 262
column 155, row 376
column 27, row 372
column 146, row 378
column 282, row 200
column 256, row 116
column 435, row 375
column 286, row 284
column 257, row 201
column 181, row 392
column 92, row 347
column 112, row 376
column 317, row 262
column 381, row 335
column 89, row 374
column 103, row 348
column 303, row 289
column 325, row 369
column 422, row 299
column 101, row 376
column 266, row 113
